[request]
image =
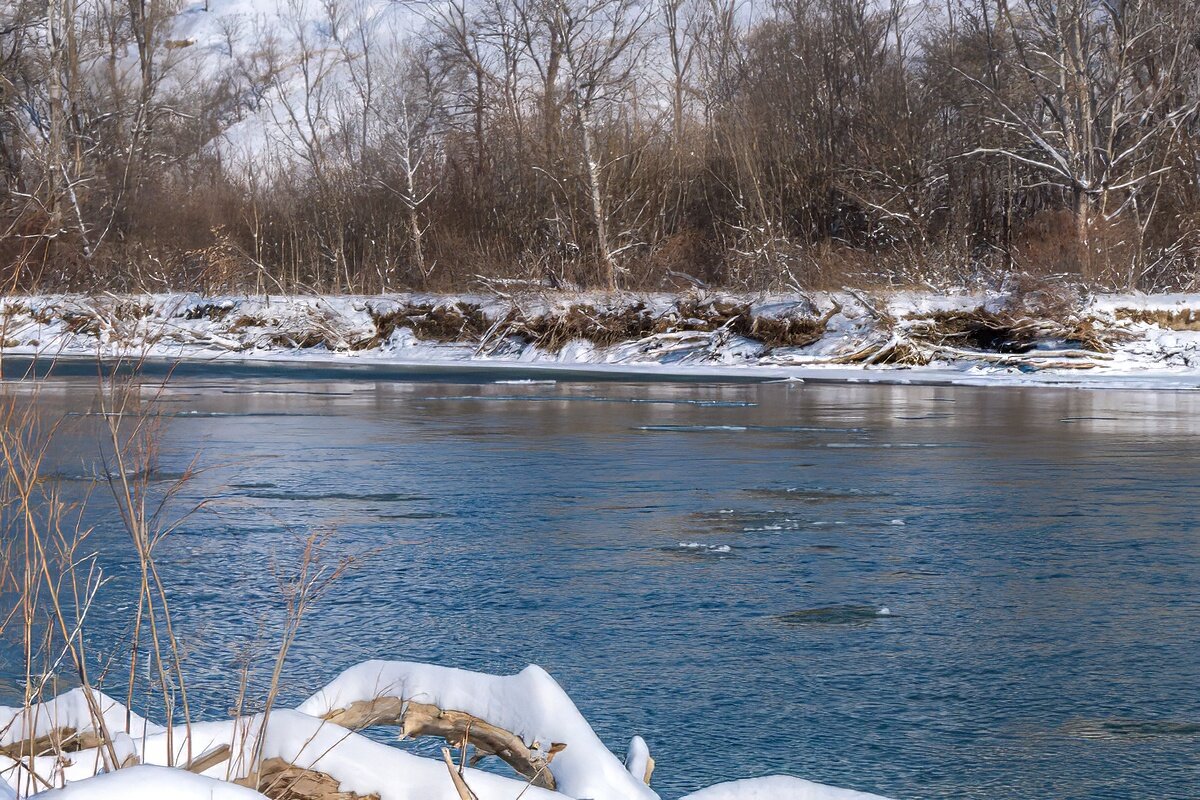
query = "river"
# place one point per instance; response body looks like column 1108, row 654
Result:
column 926, row 592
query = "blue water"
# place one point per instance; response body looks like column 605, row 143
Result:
column 1037, row 553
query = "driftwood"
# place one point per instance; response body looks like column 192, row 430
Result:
column 209, row 759
column 455, row 727
column 460, row 783
column 282, row 780
column 59, row 740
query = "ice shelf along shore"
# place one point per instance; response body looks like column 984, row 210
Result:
column 1029, row 337
column 84, row 744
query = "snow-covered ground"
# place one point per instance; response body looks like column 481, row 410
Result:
column 207, row 760
column 902, row 337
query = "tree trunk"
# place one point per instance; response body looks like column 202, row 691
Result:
column 414, row 221
column 599, row 212
column 549, row 99
column 54, row 94
column 1081, row 208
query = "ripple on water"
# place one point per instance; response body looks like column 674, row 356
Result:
column 1130, row 728
column 415, row 515
column 381, row 497
column 152, row 476
column 812, row 494
column 835, row 615
column 569, row 398
column 700, row 549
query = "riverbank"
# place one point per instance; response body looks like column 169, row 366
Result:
column 1030, row 337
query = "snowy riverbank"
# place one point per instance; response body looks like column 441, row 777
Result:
column 1027, row 338
column 85, row 744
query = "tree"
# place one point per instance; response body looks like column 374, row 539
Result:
column 600, row 45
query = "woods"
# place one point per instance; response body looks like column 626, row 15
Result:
column 342, row 145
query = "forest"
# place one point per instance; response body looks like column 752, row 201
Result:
column 357, row 146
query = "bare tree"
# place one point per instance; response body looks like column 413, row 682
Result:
column 600, row 42
column 1099, row 102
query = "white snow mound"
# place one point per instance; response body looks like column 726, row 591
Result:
column 150, row 783
column 778, row 787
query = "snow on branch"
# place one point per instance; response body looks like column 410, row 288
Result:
column 526, row 718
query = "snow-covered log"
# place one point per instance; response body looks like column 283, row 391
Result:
column 73, row 736
column 358, row 766
column 70, row 714
column 530, row 705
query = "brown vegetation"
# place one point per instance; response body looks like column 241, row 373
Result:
column 667, row 144
column 1184, row 319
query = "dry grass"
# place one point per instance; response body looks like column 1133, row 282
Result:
column 1182, row 319
column 53, row 576
column 449, row 322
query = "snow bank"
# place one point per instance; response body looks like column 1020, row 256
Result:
column 778, row 787
column 1121, row 340
column 529, row 704
column 150, row 783
column 359, row 764
column 70, row 710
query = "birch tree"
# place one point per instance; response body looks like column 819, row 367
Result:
column 600, row 41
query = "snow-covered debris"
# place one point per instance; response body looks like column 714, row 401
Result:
column 71, row 710
column 701, row 547
column 307, row 747
column 902, row 337
column 530, row 704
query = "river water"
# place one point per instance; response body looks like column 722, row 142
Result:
column 926, row 592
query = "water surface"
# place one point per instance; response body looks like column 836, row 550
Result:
column 925, row 592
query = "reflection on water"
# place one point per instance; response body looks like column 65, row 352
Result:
column 836, row 615
column 698, row 561
column 1119, row 728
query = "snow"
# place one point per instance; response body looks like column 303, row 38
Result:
column 150, row 783
column 530, row 704
column 70, row 710
column 359, row 764
column 778, row 787
column 637, row 757
column 255, row 331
